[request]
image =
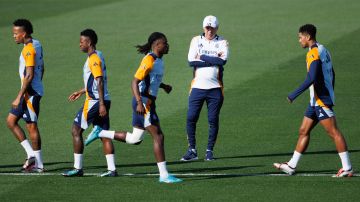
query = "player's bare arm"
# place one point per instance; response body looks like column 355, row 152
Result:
column 102, row 108
column 135, row 89
column 75, row 95
column 26, row 82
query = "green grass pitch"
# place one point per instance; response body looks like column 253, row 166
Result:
column 258, row 126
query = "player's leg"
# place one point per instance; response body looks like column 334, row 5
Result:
column 135, row 137
column 334, row 132
column 308, row 123
column 196, row 101
column 32, row 113
column 109, row 153
column 108, row 147
column 214, row 101
column 159, row 152
column 12, row 123
column 78, row 145
column 303, row 140
column 35, row 137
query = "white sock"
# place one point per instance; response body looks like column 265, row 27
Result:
column 28, row 149
column 38, row 159
column 345, row 160
column 107, row 134
column 295, row 159
column 162, row 169
column 78, row 160
column 110, row 159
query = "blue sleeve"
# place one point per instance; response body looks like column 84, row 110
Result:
column 199, row 64
column 213, row 60
column 315, row 67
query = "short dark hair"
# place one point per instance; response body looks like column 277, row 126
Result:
column 91, row 34
column 308, row 29
column 25, row 24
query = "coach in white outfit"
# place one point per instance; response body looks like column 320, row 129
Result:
column 207, row 56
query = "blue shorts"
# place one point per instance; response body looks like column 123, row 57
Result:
column 89, row 114
column 28, row 108
column 149, row 118
column 319, row 113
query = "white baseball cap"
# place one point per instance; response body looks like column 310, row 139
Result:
column 210, row 21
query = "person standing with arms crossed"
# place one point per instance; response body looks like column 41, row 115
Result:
column 27, row 102
column 207, row 56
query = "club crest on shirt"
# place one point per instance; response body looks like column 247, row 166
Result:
column 95, row 64
column 28, row 54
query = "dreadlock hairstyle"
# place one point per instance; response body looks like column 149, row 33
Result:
column 146, row 48
column 25, row 24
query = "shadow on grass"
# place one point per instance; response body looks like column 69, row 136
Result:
column 285, row 154
column 17, row 167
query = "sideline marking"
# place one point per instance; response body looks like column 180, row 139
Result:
column 185, row 174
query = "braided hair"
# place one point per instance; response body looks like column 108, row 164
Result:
column 146, row 48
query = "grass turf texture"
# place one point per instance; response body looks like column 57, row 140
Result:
column 258, row 127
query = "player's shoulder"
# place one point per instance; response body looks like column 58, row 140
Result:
column 150, row 57
column 94, row 59
column 196, row 38
column 36, row 42
column 96, row 55
column 222, row 40
column 321, row 48
column 28, row 49
column 313, row 53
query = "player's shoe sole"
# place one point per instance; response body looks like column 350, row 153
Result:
column 73, row 173
column 109, row 173
column 344, row 173
column 37, row 170
column 284, row 167
column 29, row 164
column 170, row 179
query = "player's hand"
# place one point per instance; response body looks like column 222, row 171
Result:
column 167, row 88
column 140, row 108
column 74, row 96
column 102, row 110
column 15, row 103
column 287, row 98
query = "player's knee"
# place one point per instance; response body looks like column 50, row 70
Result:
column 10, row 122
column 75, row 131
column 333, row 132
column 135, row 137
column 192, row 118
column 32, row 128
column 303, row 132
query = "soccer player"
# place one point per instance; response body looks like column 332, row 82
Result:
column 207, row 56
column 96, row 107
column 320, row 81
column 145, row 86
column 26, row 105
